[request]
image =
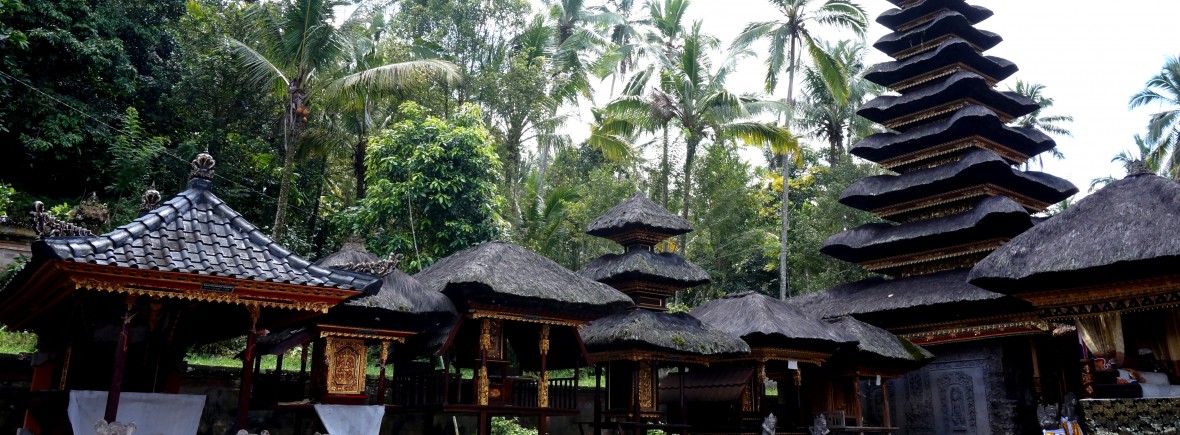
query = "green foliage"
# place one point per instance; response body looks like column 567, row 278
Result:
column 133, row 155
column 509, row 426
column 6, row 194
column 432, row 186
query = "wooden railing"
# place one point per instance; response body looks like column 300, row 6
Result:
column 423, row 389
column 563, row 393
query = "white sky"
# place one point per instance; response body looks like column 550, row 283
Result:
column 1091, row 55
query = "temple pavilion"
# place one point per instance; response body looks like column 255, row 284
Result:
column 956, row 194
column 130, row 303
column 633, row 345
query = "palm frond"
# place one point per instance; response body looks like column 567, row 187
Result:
column 258, row 68
column 397, row 76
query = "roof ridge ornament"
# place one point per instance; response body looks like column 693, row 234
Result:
column 1138, row 167
column 203, row 166
column 150, row 199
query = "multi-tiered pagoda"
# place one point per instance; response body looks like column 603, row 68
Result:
column 632, row 345
column 957, row 194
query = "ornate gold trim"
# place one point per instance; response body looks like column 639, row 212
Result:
column 646, row 393
column 346, row 365
column 213, row 297
column 363, row 333
column 486, row 314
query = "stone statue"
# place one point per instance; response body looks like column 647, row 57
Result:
column 769, row 424
column 958, row 409
column 113, row 428
column 820, row 425
column 244, row 432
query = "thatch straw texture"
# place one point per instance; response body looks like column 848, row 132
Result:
column 638, row 213
column 977, row 167
column 894, row 18
column 679, row 333
column 877, row 342
column 763, row 320
column 944, row 24
column 992, row 217
column 641, row 264
column 969, row 121
column 955, row 87
column 876, row 295
column 400, row 303
column 499, row 273
column 1125, row 231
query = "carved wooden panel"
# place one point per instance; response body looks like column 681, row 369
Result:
column 346, row 365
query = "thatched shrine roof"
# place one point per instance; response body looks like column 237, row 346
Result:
column 897, row 17
column 935, row 296
column 505, row 275
column 638, row 213
column 673, row 334
column 351, row 253
column 952, row 53
column 977, row 167
column 1124, row 232
column 706, row 384
column 993, row 217
column 969, row 121
column 765, row 321
column 876, row 345
column 197, row 233
column 644, row 265
column 898, row 112
column 945, row 24
column 400, row 303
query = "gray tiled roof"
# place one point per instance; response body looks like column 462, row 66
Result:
column 196, row 232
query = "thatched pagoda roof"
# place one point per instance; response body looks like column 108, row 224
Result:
column 644, row 265
column 674, row 334
column 934, row 296
column 1123, row 232
column 401, row 303
column 876, row 345
column 947, row 23
column 351, row 253
column 977, row 167
column 966, row 122
column 196, row 232
column 888, row 109
column 897, row 17
column 766, row 321
column 638, row 213
column 952, row 53
column 991, row 218
column 502, row 274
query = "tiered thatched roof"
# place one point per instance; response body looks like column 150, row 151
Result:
column 502, row 274
column 945, row 24
column 1123, row 232
column 672, row 335
column 953, row 52
column 401, row 303
column 959, row 86
column 638, row 213
column 876, row 346
column 765, row 321
column 641, row 264
column 897, row 17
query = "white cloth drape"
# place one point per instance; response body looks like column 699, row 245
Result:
column 351, row 419
column 1103, row 335
column 152, row 413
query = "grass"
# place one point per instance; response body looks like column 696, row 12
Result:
column 12, row 342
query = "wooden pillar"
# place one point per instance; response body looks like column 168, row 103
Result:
column 112, row 409
column 1036, row 368
column 860, row 420
column 635, row 398
column 381, row 374
column 597, row 396
column 446, row 398
column 279, row 363
column 683, row 411
column 543, row 383
column 886, row 420
column 247, row 370
column 485, row 345
column 303, row 360
column 484, row 426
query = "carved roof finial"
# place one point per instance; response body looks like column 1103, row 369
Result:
column 150, row 200
column 1138, row 167
column 203, row 166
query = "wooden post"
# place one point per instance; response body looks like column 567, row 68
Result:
column 485, row 345
column 279, row 363
column 597, row 396
column 446, row 399
column 860, row 420
column 247, row 370
column 303, row 360
column 683, row 411
column 886, row 420
column 381, row 373
column 543, row 383
column 1036, row 367
column 635, row 398
column 112, row 410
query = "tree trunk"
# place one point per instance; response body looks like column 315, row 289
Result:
column 665, row 170
column 359, row 170
column 689, row 155
column 276, row 233
column 784, row 290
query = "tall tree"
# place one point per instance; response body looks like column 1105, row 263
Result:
column 1163, row 129
column 298, row 46
column 1051, row 124
column 786, row 36
column 824, row 116
column 1142, row 153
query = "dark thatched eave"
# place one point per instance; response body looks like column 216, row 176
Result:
column 958, row 86
column 975, row 168
column 947, row 23
column 638, row 213
column 894, row 18
column 502, row 274
column 644, row 265
column 402, row 304
column 196, row 232
column 706, row 384
column 992, row 217
column 949, row 53
column 352, row 253
column 673, row 334
column 942, row 296
column 765, row 321
column 878, row 347
column 966, row 122
column 1124, row 232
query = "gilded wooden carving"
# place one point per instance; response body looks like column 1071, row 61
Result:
column 346, row 365
column 646, row 387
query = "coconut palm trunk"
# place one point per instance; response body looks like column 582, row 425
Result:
column 784, row 289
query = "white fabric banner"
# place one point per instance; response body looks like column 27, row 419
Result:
column 351, row 419
column 152, row 413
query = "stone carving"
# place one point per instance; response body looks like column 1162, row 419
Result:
column 47, row 225
column 150, row 200
column 957, row 396
column 265, row 432
column 113, row 428
column 819, row 425
column 769, row 425
column 203, row 166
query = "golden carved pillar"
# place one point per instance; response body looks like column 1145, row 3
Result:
column 543, row 383
column 485, row 345
column 646, row 387
column 381, row 375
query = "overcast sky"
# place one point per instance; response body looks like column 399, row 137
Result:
column 1091, row 56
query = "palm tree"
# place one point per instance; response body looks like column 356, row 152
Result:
column 695, row 98
column 830, row 119
column 296, row 43
column 1037, row 119
column 1143, row 152
column 1163, row 130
